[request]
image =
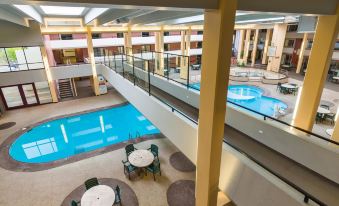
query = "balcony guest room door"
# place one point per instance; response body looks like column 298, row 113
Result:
column 19, row 96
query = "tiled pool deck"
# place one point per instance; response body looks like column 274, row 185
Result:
column 50, row 187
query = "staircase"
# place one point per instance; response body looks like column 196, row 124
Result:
column 65, row 88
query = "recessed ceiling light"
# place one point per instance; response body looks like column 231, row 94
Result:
column 62, row 10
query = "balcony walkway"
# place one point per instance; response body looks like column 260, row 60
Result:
column 309, row 181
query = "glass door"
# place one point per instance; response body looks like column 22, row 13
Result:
column 12, row 96
column 19, row 96
column 29, row 94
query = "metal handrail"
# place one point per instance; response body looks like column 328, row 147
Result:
column 264, row 115
column 280, row 121
column 307, row 196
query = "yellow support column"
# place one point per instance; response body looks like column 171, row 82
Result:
column 185, row 50
column 51, row 82
column 216, row 56
column 247, row 46
column 92, row 59
column 241, row 47
column 267, row 44
column 278, row 40
column 159, row 57
column 301, row 54
column 128, row 44
column 183, row 60
column 255, row 45
column 317, row 69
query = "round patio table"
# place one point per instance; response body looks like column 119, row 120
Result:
column 141, row 158
column 289, row 86
column 100, row 195
column 329, row 132
column 323, row 110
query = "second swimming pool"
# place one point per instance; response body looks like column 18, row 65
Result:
column 65, row 137
column 252, row 97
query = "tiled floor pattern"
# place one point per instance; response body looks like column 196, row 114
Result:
column 50, row 187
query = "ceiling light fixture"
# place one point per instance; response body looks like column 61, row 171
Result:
column 62, row 10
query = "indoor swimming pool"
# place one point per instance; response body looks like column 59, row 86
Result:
column 252, row 98
column 65, row 137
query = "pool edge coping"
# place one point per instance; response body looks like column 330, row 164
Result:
column 8, row 163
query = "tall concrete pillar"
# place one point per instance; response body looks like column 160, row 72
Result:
column 317, row 70
column 278, row 40
column 216, row 57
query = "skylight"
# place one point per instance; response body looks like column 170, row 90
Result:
column 62, row 10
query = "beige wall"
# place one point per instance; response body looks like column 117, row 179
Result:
column 13, row 35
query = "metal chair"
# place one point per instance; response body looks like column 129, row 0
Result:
column 154, row 168
column 74, row 203
column 91, row 183
column 330, row 117
column 155, row 150
column 117, row 196
column 128, row 168
column 129, row 149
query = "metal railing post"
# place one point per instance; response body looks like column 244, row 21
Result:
column 115, row 63
column 149, row 79
column 133, row 70
column 104, row 56
column 153, row 61
column 188, row 71
column 123, row 67
column 167, row 67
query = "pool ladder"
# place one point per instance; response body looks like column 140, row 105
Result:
column 137, row 135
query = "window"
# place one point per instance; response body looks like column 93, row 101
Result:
column 309, row 44
column 145, row 34
column 289, row 43
column 120, row 35
column 20, row 58
column 199, row 44
column 166, row 47
column 287, row 58
column 166, row 33
column 292, row 28
column 66, row 36
column 200, row 32
column 96, row 36
column 98, row 52
column 336, row 46
column 146, row 47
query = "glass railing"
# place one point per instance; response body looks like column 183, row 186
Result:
column 140, row 72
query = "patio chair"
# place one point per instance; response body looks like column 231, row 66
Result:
column 319, row 118
column 154, row 168
column 128, row 168
column 279, row 87
column 295, row 91
column 117, row 200
column 330, row 117
column 155, row 150
column 91, row 183
column 129, row 149
column 74, row 203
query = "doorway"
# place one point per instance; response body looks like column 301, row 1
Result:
column 19, row 96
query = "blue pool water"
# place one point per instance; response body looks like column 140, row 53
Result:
column 69, row 136
column 251, row 97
